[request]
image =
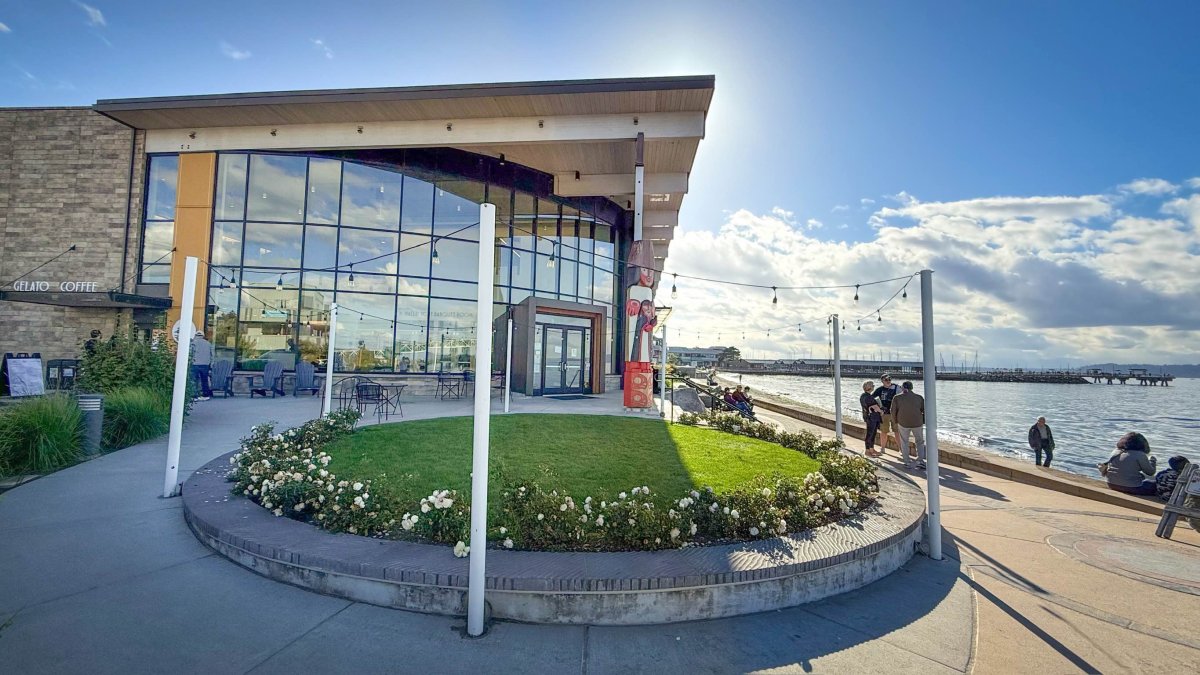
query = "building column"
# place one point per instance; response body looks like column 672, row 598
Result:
column 193, row 230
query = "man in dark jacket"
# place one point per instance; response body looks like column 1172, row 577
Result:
column 1041, row 439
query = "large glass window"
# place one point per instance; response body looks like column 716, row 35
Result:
column 276, row 188
column 399, row 252
column 158, row 229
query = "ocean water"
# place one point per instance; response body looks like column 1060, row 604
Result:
column 1087, row 419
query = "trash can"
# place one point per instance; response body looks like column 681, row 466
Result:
column 92, row 406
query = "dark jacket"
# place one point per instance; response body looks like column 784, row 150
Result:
column 1035, row 437
column 908, row 410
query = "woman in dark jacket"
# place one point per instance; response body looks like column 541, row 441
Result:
column 1041, row 439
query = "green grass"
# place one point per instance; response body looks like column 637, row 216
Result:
column 588, row 454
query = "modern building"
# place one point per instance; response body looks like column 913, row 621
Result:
column 367, row 197
column 696, row 356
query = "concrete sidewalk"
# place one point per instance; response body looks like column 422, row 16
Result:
column 99, row 574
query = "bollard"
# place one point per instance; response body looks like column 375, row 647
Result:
column 92, row 406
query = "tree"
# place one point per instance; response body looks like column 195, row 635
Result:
column 729, row 355
column 673, row 359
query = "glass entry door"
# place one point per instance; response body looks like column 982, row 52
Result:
column 564, row 360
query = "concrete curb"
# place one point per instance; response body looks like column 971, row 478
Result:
column 630, row 588
column 993, row 465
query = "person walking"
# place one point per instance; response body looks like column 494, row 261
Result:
column 885, row 393
column 908, row 417
column 1041, row 439
column 202, row 355
column 872, row 415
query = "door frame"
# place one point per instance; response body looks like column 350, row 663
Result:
column 564, row 331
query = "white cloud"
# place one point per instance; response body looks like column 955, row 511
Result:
column 1017, row 278
column 94, row 16
column 784, row 214
column 903, row 198
column 814, row 224
column 4, row 28
column 839, row 207
column 1149, row 186
column 324, row 48
column 233, row 52
column 1193, row 183
column 866, row 201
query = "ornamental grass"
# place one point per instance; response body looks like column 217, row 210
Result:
column 40, row 435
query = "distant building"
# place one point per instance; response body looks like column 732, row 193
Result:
column 697, row 357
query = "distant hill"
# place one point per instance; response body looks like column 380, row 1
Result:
column 1178, row 370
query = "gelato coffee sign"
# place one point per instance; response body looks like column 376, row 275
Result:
column 58, row 286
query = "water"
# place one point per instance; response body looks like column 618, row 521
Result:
column 1087, row 419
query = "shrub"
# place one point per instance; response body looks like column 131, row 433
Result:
column 288, row 474
column 689, row 419
column 124, row 361
column 133, row 415
column 41, row 435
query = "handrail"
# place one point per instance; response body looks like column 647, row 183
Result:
column 714, row 393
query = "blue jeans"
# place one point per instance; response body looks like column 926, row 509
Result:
column 200, row 372
column 1148, row 487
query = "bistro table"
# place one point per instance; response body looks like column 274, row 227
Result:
column 392, row 393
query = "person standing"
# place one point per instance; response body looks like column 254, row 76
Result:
column 1041, row 439
column 202, row 355
column 885, row 393
column 872, row 415
column 908, row 417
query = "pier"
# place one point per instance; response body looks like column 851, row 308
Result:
column 1142, row 376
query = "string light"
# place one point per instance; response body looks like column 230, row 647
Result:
column 774, row 296
column 279, row 283
column 350, row 280
column 879, row 316
column 674, row 291
column 856, row 292
column 860, row 324
column 436, row 259
column 550, row 262
column 904, row 295
column 800, row 327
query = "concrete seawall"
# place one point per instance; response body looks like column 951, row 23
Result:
column 984, row 462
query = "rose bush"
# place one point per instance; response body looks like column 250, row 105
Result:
column 290, row 475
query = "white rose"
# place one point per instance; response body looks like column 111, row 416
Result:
column 693, row 529
column 508, row 543
column 754, row 532
column 734, row 513
column 600, row 520
column 424, row 507
column 674, row 532
column 503, row 530
column 766, row 492
column 357, row 486
column 562, row 507
column 621, row 496
column 541, row 517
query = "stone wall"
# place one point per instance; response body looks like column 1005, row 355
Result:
column 65, row 179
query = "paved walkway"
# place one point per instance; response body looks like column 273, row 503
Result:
column 99, row 574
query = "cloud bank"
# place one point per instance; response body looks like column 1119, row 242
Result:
column 1030, row 281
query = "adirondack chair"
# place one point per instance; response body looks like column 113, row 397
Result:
column 1184, row 502
column 271, row 380
column 306, row 379
column 222, row 378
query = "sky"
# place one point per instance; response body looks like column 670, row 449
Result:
column 1041, row 157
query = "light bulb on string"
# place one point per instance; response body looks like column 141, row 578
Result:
column 855, row 292
column 550, row 262
column 350, row 280
column 774, row 296
column 800, row 327
column 674, row 291
column 879, row 317
column 279, row 283
column 860, row 324
column 904, row 294
column 436, row 259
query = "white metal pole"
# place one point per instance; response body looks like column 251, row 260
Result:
column 837, row 379
column 662, row 375
column 508, row 367
column 483, row 399
column 934, row 519
column 183, row 349
column 327, row 404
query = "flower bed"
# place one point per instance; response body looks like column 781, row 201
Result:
column 290, row 474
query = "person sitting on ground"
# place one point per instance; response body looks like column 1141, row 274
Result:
column 1041, row 439
column 1131, row 469
column 1166, row 479
column 740, row 396
column 732, row 402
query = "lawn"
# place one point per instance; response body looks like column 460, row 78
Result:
column 588, row 454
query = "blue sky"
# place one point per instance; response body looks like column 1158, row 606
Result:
column 819, row 106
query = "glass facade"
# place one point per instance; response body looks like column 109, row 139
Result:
column 293, row 233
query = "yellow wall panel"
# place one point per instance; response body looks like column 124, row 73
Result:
column 193, row 229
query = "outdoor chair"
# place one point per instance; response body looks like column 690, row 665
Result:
column 467, row 386
column 306, row 379
column 270, row 380
column 448, row 386
column 221, row 375
column 367, row 394
column 344, row 390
